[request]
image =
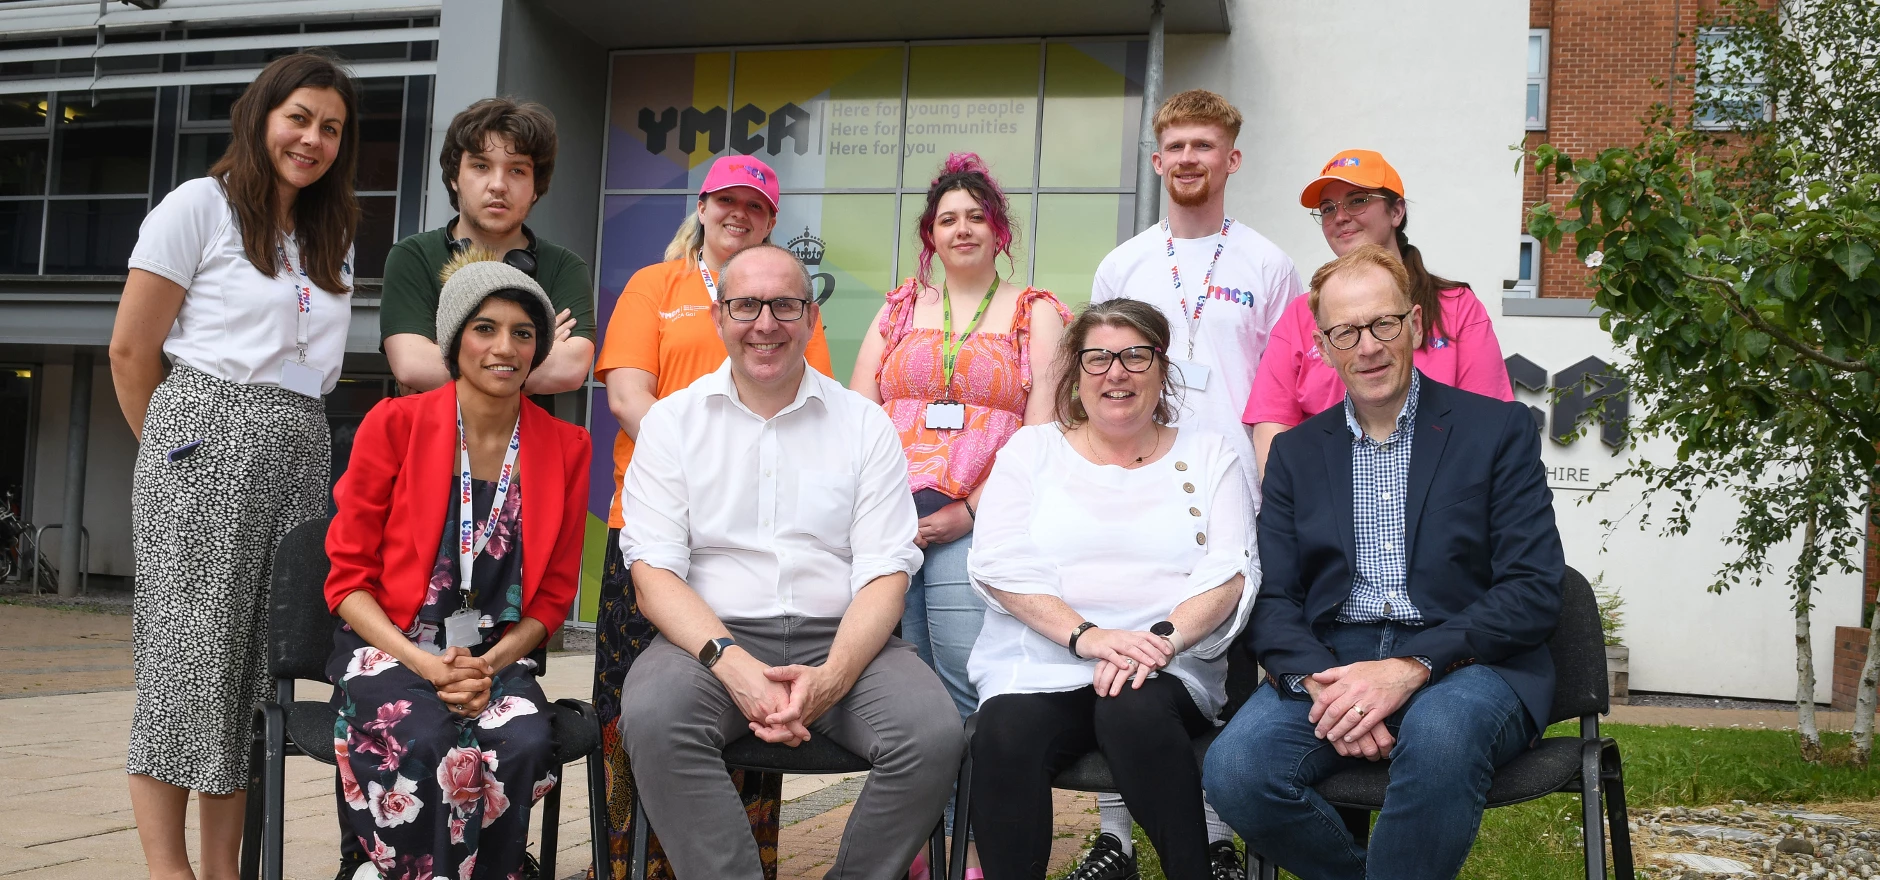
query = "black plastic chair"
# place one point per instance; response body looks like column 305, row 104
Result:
column 1588, row 763
column 1090, row 773
column 300, row 639
column 817, row 757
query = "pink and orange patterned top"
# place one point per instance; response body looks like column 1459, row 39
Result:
column 992, row 377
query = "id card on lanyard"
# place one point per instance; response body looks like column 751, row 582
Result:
column 947, row 414
column 1189, row 372
column 461, row 629
column 296, row 376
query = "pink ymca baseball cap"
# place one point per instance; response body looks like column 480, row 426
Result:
column 730, row 171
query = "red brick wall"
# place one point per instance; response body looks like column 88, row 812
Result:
column 1850, row 652
column 1609, row 62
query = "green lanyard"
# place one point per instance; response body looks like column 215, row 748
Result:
column 949, row 348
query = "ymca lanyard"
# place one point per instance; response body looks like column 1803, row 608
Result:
column 471, row 540
column 303, row 299
column 1201, row 299
column 949, row 348
column 711, row 287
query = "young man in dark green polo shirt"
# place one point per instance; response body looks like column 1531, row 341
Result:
column 497, row 159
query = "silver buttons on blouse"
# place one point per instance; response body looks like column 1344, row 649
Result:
column 1201, row 538
column 1189, row 488
column 1181, row 465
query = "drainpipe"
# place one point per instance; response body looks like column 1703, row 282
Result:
column 1148, row 185
column 76, row 444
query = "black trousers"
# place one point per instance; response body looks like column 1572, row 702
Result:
column 1022, row 741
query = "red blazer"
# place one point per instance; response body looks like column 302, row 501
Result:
column 396, row 491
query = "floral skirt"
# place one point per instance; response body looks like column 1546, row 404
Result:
column 622, row 632
column 426, row 791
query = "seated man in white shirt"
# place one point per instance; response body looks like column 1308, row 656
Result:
column 771, row 536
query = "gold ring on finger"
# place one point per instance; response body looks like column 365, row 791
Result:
column 1358, row 709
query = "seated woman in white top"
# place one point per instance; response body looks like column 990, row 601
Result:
column 1114, row 552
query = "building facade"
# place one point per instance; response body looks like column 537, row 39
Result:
column 855, row 104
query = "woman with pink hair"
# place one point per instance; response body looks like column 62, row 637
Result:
column 960, row 363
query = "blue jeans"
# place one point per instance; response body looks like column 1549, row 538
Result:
column 1451, row 736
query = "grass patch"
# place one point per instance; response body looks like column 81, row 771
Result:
column 1664, row 766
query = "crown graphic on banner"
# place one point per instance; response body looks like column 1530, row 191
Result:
column 807, row 248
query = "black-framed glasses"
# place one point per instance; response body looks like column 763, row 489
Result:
column 1344, row 336
column 783, row 308
column 1353, row 205
column 1136, row 359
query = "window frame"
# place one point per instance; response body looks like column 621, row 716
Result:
column 1751, row 87
column 1528, row 286
column 1545, row 35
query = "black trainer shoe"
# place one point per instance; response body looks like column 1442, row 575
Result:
column 1106, row 861
column 1224, row 861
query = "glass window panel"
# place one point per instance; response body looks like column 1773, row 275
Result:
column 1535, row 58
column 847, row 243
column 378, row 216
column 196, row 152
column 381, row 121
column 212, row 102
column 366, row 51
column 92, row 236
column 823, row 118
column 1092, row 107
column 105, row 145
column 981, row 98
column 1534, row 102
column 634, row 233
column 23, row 111
column 1527, row 261
column 23, row 167
column 23, row 69
column 19, row 237
column 1075, row 232
column 667, row 119
column 1017, row 270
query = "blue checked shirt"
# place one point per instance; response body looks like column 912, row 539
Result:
column 1380, row 474
column 1380, row 477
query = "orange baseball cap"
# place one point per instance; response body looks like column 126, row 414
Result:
column 1361, row 168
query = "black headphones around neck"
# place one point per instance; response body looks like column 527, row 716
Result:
column 522, row 258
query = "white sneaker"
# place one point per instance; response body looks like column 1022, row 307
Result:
column 367, row 871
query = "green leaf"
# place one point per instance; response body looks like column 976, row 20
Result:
column 1756, row 343
column 1784, row 281
column 1853, row 257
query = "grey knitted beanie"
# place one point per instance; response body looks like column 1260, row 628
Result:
column 470, row 277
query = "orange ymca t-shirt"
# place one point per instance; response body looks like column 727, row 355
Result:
column 662, row 324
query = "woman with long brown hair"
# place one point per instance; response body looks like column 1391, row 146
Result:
column 231, row 327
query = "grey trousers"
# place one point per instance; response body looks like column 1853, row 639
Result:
column 676, row 718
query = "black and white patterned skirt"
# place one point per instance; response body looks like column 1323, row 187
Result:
column 204, row 527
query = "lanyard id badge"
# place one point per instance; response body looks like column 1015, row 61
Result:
column 947, row 414
column 1193, row 316
column 461, row 628
column 1192, row 375
column 296, row 376
column 704, row 274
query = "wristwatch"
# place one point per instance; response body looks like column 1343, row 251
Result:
column 1166, row 629
column 713, row 651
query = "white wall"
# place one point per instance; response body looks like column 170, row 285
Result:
column 1440, row 95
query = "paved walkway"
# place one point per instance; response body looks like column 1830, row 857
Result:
column 65, row 706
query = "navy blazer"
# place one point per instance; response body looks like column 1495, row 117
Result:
column 1483, row 555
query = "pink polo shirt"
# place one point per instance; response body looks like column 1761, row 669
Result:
column 1295, row 383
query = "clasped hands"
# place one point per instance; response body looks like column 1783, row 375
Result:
column 1123, row 657
column 1350, row 703
column 462, row 680
column 780, row 701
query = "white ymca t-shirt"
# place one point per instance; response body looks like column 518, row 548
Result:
column 236, row 323
column 1252, row 284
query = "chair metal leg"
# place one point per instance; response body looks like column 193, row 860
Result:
column 937, row 849
column 273, row 789
column 1259, row 868
column 962, row 816
column 251, row 819
column 1612, row 773
column 551, row 828
column 636, row 869
column 1592, row 820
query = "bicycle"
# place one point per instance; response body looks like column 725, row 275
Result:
column 17, row 549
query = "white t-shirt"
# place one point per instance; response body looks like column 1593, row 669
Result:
column 236, row 323
column 1252, row 284
column 1122, row 547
